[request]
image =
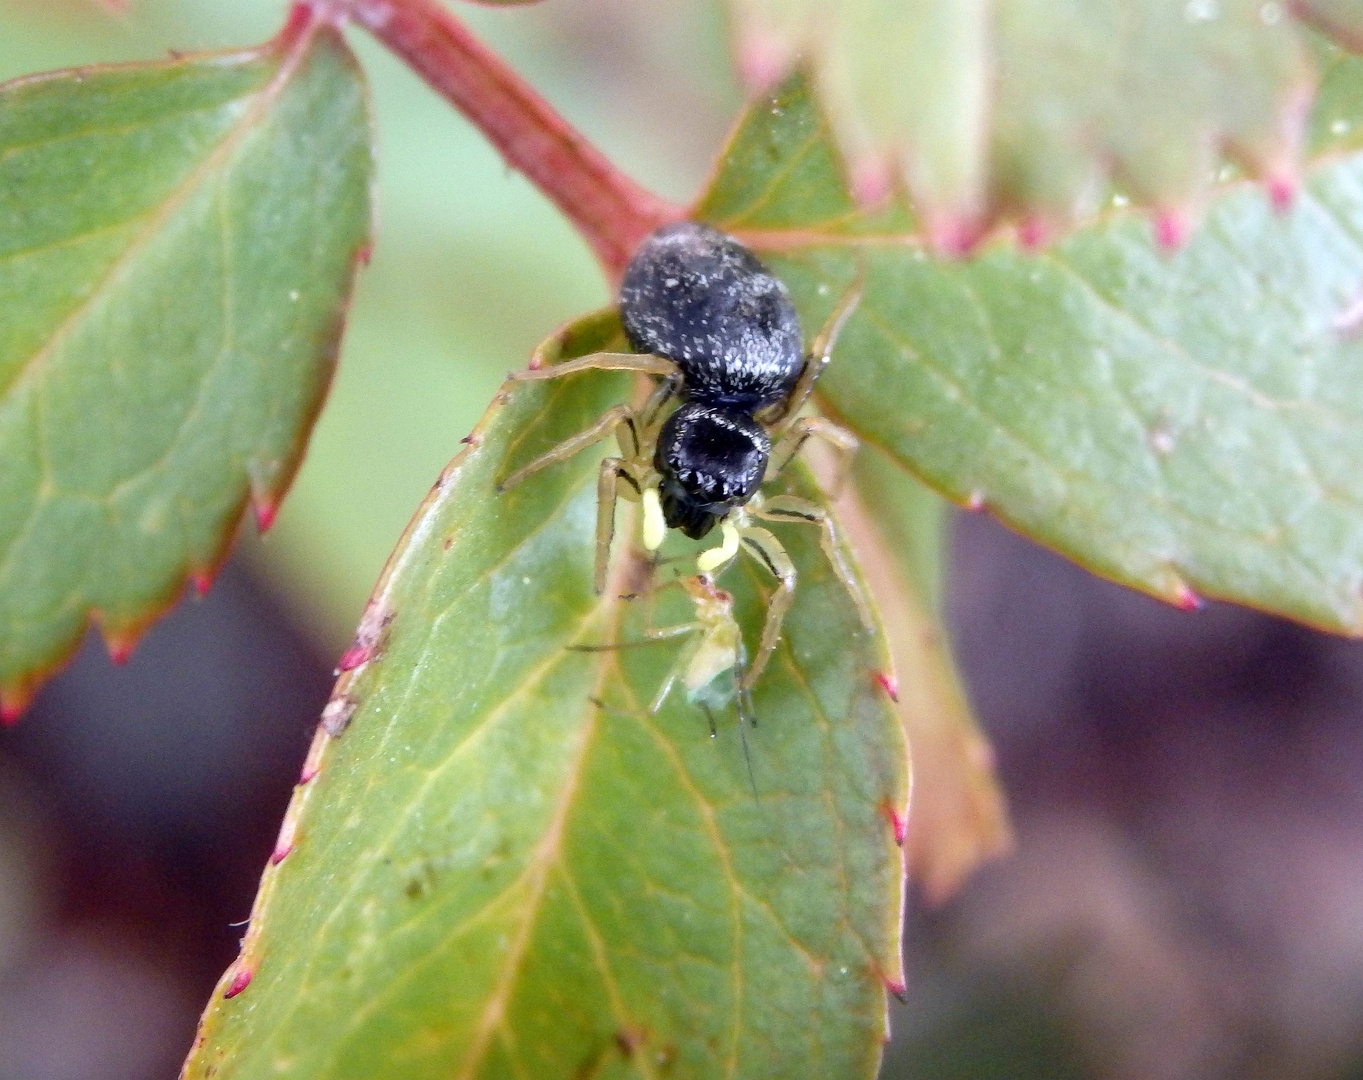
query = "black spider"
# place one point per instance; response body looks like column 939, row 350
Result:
column 720, row 331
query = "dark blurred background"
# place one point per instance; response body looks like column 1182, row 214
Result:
column 1186, row 897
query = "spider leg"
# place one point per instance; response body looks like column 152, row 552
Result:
column 712, row 559
column 604, row 361
column 662, row 394
column 608, row 480
column 767, row 550
column 820, row 352
column 843, row 442
column 620, row 416
column 801, row 511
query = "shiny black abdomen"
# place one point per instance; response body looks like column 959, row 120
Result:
column 704, row 301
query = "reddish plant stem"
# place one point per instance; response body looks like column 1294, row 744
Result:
column 610, row 210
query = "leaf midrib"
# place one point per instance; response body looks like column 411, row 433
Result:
column 549, row 851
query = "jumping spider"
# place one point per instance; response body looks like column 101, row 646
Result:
column 720, row 332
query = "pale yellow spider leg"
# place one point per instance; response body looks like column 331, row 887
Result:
column 605, row 361
column 707, row 562
column 607, row 491
column 662, row 394
column 767, row 550
column 794, row 509
column 820, row 352
column 654, row 525
column 620, row 416
column 843, row 442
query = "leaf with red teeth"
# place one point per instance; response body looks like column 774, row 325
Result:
column 177, row 246
column 505, row 864
column 1024, row 109
column 1188, row 423
column 957, row 818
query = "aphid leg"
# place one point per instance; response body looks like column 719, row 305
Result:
column 820, row 352
column 621, row 416
column 605, row 361
column 676, row 671
column 767, row 550
column 794, row 509
column 746, row 718
column 843, row 442
column 650, row 637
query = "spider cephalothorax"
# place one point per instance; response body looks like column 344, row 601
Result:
column 710, row 459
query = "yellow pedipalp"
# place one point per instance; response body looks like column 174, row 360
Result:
column 654, row 525
column 715, row 557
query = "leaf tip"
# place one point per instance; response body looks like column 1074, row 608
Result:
column 1185, row 599
column 872, row 182
column 1282, row 190
column 265, row 509
column 301, row 17
column 368, row 636
column 763, row 60
column 898, row 989
column 120, row 644
column 1033, row 234
column 312, row 764
column 1172, row 228
column 355, row 656
column 889, row 682
column 898, row 822
column 284, row 843
column 16, row 697
column 956, row 236
column 240, row 981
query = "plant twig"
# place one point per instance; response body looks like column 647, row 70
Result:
column 610, row 210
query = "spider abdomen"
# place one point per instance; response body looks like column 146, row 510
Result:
column 704, row 301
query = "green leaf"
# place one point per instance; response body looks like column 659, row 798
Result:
column 1023, row 108
column 506, row 866
column 177, row 246
column 1173, row 422
column 957, row 817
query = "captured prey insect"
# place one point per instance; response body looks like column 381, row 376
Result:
column 719, row 330
column 714, row 650
column 710, row 665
